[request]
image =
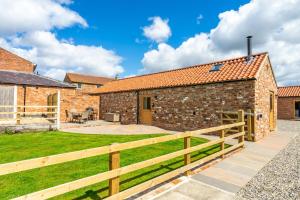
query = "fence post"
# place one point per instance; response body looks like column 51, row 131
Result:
column 187, row 157
column 58, row 110
column 221, row 117
column 241, row 128
column 114, row 163
column 18, row 116
column 249, row 125
column 15, row 109
column 254, row 126
column 222, row 135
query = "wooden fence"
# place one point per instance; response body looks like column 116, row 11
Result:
column 31, row 114
column 115, row 171
column 228, row 117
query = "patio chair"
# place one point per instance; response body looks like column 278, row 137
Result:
column 69, row 116
column 84, row 117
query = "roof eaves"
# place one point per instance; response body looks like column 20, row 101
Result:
column 63, row 84
column 163, row 87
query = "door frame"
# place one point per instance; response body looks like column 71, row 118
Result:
column 272, row 111
column 295, row 101
column 141, row 108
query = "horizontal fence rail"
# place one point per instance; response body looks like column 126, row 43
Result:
column 30, row 112
column 20, row 106
column 116, row 171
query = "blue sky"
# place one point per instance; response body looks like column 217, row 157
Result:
column 116, row 24
column 132, row 37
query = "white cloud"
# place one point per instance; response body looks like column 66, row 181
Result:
column 159, row 31
column 25, row 29
column 57, row 74
column 199, row 18
column 31, row 15
column 275, row 27
column 54, row 56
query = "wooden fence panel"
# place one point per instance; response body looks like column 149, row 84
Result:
column 115, row 171
column 6, row 98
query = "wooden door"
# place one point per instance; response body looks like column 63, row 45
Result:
column 145, row 110
column 51, row 101
column 6, row 99
column 272, row 118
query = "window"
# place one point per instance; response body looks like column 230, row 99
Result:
column 216, row 67
column 147, row 103
column 98, row 86
column 78, row 85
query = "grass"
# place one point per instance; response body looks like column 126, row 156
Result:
column 32, row 145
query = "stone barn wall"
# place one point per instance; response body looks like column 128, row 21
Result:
column 263, row 86
column 183, row 108
column 195, row 107
column 124, row 103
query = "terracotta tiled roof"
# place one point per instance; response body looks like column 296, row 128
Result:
column 23, row 78
column 80, row 78
column 291, row 91
column 232, row 69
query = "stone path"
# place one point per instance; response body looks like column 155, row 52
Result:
column 223, row 180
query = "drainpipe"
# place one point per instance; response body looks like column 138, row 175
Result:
column 137, row 107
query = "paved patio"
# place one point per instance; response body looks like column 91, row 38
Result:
column 102, row 127
column 224, row 179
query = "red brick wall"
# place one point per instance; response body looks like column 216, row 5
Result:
column 88, row 87
column 263, row 86
column 10, row 61
column 286, row 107
column 70, row 99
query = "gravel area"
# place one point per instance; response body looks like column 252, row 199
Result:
column 279, row 179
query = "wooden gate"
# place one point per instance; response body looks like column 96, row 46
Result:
column 229, row 117
column 52, row 101
column 6, row 99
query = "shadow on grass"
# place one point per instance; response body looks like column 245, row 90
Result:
column 95, row 194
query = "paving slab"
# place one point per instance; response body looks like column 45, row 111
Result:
column 217, row 183
column 195, row 190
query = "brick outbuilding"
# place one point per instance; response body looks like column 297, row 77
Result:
column 86, row 83
column 289, row 103
column 192, row 97
column 20, row 86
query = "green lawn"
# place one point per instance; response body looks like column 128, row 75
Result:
column 32, row 145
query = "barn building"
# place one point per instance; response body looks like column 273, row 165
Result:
column 289, row 103
column 192, row 97
column 20, row 85
column 86, row 83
